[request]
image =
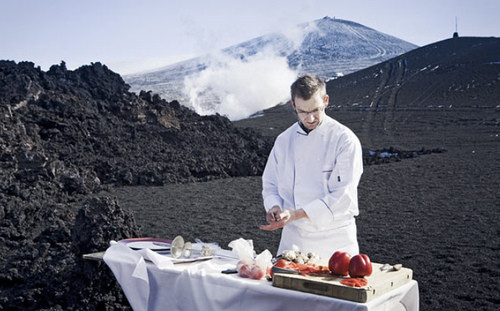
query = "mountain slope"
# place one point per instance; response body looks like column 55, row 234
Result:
column 459, row 72
column 453, row 76
column 326, row 47
column 450, row 75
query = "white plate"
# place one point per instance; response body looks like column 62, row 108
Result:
column 151, row 243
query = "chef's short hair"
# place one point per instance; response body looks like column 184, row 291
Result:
column 306, row 86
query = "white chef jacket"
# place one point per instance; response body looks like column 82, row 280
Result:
column 319, row 172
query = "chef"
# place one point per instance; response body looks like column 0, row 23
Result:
column 311, row 177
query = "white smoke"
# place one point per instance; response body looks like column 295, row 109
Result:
column 239, row 87
column 296, row 34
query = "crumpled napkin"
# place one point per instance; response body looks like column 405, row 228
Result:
column 160, row 261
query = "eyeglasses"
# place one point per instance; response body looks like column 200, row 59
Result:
column 314, row 112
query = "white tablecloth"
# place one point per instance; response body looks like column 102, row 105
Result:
column 202, row 286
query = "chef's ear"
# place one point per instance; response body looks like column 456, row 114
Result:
column 326, row 100
column 292, row 102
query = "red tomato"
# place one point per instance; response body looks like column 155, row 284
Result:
column 360, row 266
column 339, row 263
column 256, row 273
column 244, row 271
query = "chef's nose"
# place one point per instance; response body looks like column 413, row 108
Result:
column 310, row 117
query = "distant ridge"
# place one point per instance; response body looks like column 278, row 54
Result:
column 460, row 72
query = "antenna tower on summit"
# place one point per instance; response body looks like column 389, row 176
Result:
column 455, row 34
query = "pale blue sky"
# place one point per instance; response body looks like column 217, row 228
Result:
column 130, row 35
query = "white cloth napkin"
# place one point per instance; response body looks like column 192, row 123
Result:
column 160, row 261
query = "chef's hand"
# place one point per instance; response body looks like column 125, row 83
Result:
column 272, row 214
column 282, row 219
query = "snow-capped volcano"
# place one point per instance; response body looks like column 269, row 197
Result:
column 254, row 75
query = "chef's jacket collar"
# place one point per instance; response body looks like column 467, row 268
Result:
column 306, row 130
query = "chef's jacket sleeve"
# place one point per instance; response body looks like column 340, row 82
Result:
column 270, row 192
column 340, row 204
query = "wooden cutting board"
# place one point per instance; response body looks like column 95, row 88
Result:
column 379, row 283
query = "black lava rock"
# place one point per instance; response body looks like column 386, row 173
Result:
column 65, row 136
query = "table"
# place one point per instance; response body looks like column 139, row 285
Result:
column 202, row 286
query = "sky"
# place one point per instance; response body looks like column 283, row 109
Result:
column 132, row 36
